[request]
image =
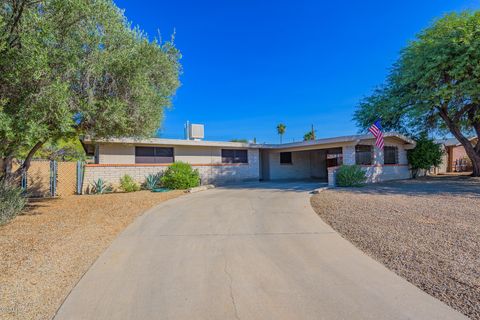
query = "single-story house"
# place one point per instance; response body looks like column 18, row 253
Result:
column 225, row 162
column 455, row 158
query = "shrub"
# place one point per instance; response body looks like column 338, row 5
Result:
column 425, row 155
column 127, row 184
column 152, row 181
column 12, row 201
column 180, row 175
column 350, row 176
column 100, row 187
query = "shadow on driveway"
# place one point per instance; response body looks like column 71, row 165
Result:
column 463, row 186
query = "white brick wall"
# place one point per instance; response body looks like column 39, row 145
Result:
column 213, row 173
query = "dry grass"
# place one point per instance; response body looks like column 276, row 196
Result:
column 44, row 252
column 427, row 231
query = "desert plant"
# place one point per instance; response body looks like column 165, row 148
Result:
column 127, row 184
column 100, row 187
column 180, row 175
column 350, row 176
column 152, row 181
column 12, row 201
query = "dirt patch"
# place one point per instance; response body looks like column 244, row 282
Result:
column 427, row 231
column 44, row 252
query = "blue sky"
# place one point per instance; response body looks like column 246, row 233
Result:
column 249, row 64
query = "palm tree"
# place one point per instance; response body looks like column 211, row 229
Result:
column 281, row 130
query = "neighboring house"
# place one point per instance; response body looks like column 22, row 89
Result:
column 226, row 162
column 454, row 158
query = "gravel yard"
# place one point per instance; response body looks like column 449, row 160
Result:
column 425, row 230
column 46, row 251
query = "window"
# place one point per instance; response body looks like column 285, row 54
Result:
column 334, row 157
column 390, row 155
column 363, row 155
column 153, row 155
column 234, row 156
column 285, row 158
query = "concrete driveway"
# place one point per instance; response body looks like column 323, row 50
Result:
column 252, row 252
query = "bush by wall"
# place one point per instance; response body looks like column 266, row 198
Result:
column 350, row 176
column 12, row 201
column 180, row 175
column 127, row 184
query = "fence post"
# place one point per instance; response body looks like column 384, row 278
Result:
column 24, row 179
column 79, row 176
column 53, row 178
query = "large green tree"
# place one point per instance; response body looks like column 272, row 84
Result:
column 77, row 67
column 435, row 85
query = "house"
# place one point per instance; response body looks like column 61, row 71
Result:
column 226, row 162
column 455, row 158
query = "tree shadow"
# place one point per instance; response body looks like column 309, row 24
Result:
column 462, row 186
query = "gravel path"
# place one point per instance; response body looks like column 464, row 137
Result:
column 45, row 252
column 426, row 230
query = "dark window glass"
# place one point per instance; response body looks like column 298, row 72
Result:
column 285, row 158
column 334, row 157
column 363, row 155
column 234, row 156
column 390, row 155
column 153, row 155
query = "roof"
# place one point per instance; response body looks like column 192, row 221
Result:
column 300, row 144
column 451, row 142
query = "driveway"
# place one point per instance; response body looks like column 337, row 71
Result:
column 257, row 251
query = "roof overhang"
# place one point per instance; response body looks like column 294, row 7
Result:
column 294, row 146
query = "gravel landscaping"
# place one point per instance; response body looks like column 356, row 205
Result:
column 425, row 230
column 45, row 252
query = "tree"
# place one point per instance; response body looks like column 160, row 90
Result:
column 434, row 86
column 76, row 67
column 425, row 155
column 309, row 136
column 281, row 130
column 239, row 140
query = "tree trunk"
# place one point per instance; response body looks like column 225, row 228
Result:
column 472, row 152
column 26, row 163
column 6, row 166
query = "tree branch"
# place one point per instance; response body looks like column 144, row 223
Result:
column 26, row 164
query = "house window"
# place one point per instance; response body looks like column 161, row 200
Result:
column 153, row 155
column 234, row 156
column 390, row 155
column 363, row 155
column 285, row 158
column 334, row 157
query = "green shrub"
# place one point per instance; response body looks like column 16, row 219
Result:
column 100, row 187
column 12, row 201
column 180, row 175
column 426, row 154
column 152, row 181
column 127, row 184
column 350, row 176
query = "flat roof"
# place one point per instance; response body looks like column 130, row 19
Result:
column 204, row 143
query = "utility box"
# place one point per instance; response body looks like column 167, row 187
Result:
column 196, row 131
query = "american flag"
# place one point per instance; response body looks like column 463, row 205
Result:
column 376, row 130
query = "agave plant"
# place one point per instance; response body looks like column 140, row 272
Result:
column 152, row 181
column 99, row 187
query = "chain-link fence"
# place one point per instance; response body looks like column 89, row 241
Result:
column 46, row 178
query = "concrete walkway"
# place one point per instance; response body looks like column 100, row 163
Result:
column 252, row 252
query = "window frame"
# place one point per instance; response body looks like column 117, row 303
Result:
column 235, row 157
column 358, row 160
column 156, row 157
column 290, row 162
column 395, row 155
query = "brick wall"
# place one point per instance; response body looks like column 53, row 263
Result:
column 377, row 173
column 215, row 173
